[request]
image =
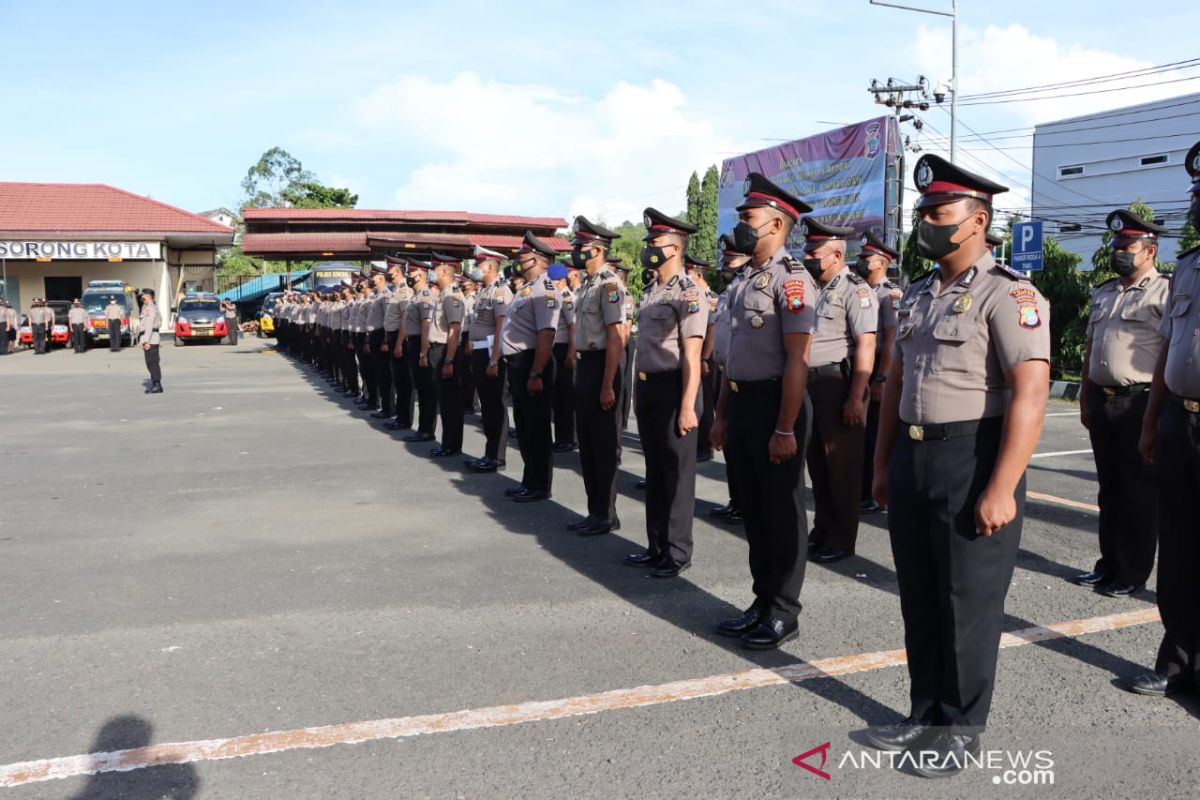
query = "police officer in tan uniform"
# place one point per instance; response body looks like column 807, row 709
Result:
column 468, row 281
column 399, row 300
column 600, row 342
column 874, row 259
column 1171, row 440
column 112, row 318
column 564, row 362
column 697, row 271
column 962, row 411
column 444, row 341
column 731, row 268
column 77, row 318
column 672, row 321
column 41, row 322
column 763, row 415
column 380, row 354
column 491, row 371
column 417, row 323
column 151, row 321
column 1122, row 347
column 8, row 322
column 840, row 364
column 527, row 344
column 626, row 398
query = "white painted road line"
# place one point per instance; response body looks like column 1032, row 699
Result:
column 1062, row 453
column 1062, row 501
column 1063, row 414
column 49, row 769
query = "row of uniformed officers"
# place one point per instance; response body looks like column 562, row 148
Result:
column 800, row 358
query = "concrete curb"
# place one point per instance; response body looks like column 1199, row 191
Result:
column 1064, row 390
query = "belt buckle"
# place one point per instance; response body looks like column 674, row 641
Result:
column 1192, row 405
column 733, row 386
column 641, row 376
column 916, row 433
column 1108, row 391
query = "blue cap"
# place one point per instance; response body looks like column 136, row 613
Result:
column 557, row 271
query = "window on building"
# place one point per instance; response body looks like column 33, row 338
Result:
column 1160, row 221
column 1067, row 172
column 1148, row 161
column 1069, row 227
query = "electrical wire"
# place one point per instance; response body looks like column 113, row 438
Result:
column 1141, row 72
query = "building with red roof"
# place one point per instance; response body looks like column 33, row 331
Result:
column 57, row 237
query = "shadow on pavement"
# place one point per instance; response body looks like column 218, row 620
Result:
column 129, row 732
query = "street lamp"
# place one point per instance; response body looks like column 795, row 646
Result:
column 953, row 87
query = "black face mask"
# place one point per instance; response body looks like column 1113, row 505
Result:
column 813, row 265
column 935, row 241
column 862, row 266
column 578, row 259
column 1122, row 263
column 745, row 237
column 653, row 257
column 649, row 276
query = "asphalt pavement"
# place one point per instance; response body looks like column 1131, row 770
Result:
column 260, row 593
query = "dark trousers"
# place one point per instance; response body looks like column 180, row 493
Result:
column 1177, row 465
column 466, row 377
column 152, row 364
column 79, row 338
column 708, row 396
column 952, row 580
column 381, row 368
column 114, row 335
column 869, row 437
column 670, row 465
column 626, row 396
column 3, row 338
column 491, row 403
column 533, row 414
column 835, row 466
column 423, row 385
column 564, row 396
column 1128, row 524
column 402, row 387
column 599, row 434
column 729, row 482
column 349, row 365
column 770, row 496
column 449, row 398
column 39, row 337
column 232, row 326
column 366, row 365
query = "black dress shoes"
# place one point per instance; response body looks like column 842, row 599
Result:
column 829, row 555
column 155, row 388
column 668, row 568
column 1152, row 684
column 869, row 507
column 734, row 517
column 949, row 754
column 580, row 524
column 739, row 625
column 1115, row 589
column 396, row 425
column 531, row 497
column 642, row 559
column 599, row 527
column 721, row 511
column 641, row 485
column 443, row 452
column 419, row 436
column 485, row 464
column 770, row 633
column 381, row 415
column 513, row 491
column 900, row 736
column 1092, row 578
column 564, row 447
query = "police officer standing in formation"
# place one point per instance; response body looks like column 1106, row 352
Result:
column 489, row 368
column 622, row 270
column 400, row 374
column 417, row 323
column 600, row 342
column 469, row 282
column 231, row 321
column 41, row 322
column 358, row 325
column 8, row 323
column 77, row 318
column 841, row 361
column 564, row 362
column 875, row 257
column 672, row 322
column 346, row 342
column 1123, row 344
column 112, row 318
column 148, row 338
column 444, row 339
column 381, row 354
column 731, row 268
column 1171, row 441
column 527, row 344
column 374, row 304
column 697, row 271
column 962, row 411
column 763, row 416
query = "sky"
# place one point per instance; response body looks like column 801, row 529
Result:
column 526, row 107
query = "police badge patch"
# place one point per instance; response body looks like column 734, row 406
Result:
column 1027, row 310
column 793, row 293
column 864, row 296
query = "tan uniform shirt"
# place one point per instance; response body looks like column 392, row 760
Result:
column 490, row 302
column 77, row 316
column 397, row 304
column 887, row 295
column 668, row 314
column 469, row 301
column 449, row 309
column 956, row 343
column 151, row 321
column 40, row 315
column 601, row 302
column 375, row 308
column 535, row 308
column 766, row 303
column 1181, row 327
column 420, row 310
column 113, row 311
column 846, row 309
column 1123, row 328
column 566, row 317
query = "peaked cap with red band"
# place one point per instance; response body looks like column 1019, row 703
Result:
column 1128, row 225
column 658, row 223
column 1192, row 164
column 814, row 231
column 941, row 182
column 873, row 245
column 587, row 231
column 762, row 193
column 532, row 244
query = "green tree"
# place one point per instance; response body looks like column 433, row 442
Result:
column 312, row 194
column 694, row 200
column 703, row 244
column 276, row 172
column 1069, row 292
column 1102, row 258
column 628, row 248
column 911, row 263
column 1189, row 237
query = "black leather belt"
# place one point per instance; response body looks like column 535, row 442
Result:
column 1122, row 391
column 588, row 354
column 940, row 432
column 750, row 386
column 826, row 371
column 1190, row 405
column 651, row 377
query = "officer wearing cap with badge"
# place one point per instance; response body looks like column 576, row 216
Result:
column 731, row 264
column 564, row 362
column 841, row 360
column 672, row 321
column 763, row 415
column 417, row 323
column 468, row 281
column 445, row 325
column 400, row 297
column 600, row 343
column 491, row 307
column 527, row 344
column 626, row 398
column 1171, row 441
column 875, row 257
column 150, row 321
column 962, row 411
column 697, row 270
column 1123, row 344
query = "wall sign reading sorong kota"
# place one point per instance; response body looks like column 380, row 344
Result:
column 80, row 250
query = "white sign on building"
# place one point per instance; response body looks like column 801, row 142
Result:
column 138, row 251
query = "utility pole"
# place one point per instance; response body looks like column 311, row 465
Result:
column 900, row 97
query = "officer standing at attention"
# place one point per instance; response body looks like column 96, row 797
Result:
column 77, row 318
column 600, row 342
column 393, row 326
column 381, row 354
column 763, row 415
column 1171, row 441
column 417, row 323
column 41, row 322
column 7, row 323
column 374, row 304
column 731, row 268
column 672, row 321
column 962, row 411
column 841, row 361
column 1123, row 344
column 626, row 397
column 874, row 259
column 444, row 340
column 491, row 307
column 349, row 368
column 468, row 280
column 231, row 321
column 527, row 343
column 112, row 317
column 151, row 321
column 564, row 363
column 361, row 345
column 697, row 271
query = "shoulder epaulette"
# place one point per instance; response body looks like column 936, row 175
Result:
column 855, row 278
column 791, row 263
column 1107, row 282
column 1010, row 272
